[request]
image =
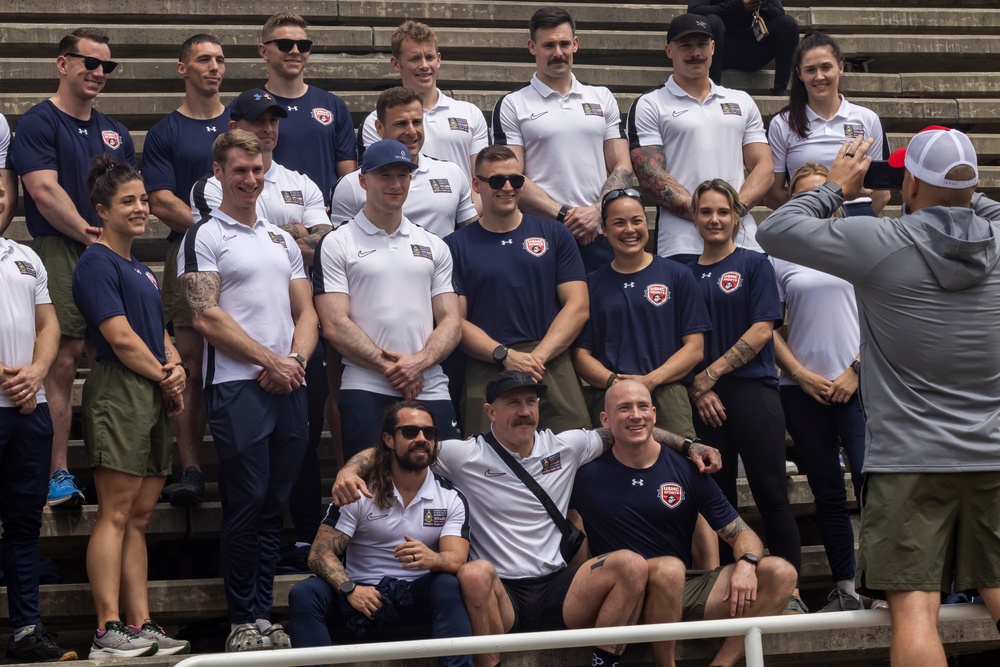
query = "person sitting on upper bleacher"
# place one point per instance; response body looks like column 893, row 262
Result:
column 748, row 35
column 620, row 511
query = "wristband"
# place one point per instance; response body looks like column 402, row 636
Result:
column 710, row 376
column 686, row 447
column 166, row 375
column 611, row 380
column 187, row 371
column 561, row 216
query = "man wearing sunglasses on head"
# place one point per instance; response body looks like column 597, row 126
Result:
column 55, row 143
column 317, row 138
column 404, row 546
column 522, row 292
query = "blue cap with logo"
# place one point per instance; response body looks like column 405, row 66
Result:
column 384, row 153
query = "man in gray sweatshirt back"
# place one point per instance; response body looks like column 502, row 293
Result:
column 928, row 293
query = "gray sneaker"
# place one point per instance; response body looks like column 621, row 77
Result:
column 120, row 642
column 247, row 637
column 279, row 638
column 795, row 606
column 839, row 600
column 165, row 645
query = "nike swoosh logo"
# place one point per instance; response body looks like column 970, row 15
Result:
column 490, row 473
column 678, row 113
column 228, row 238
column 365, row 253
column 536, row 116
column 372, row 517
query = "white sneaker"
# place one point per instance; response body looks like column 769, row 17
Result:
column 247, row 637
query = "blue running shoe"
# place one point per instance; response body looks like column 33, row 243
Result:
column 63, row 491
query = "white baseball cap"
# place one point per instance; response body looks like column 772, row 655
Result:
column 933, row 152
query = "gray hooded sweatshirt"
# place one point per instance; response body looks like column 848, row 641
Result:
column 928, row 293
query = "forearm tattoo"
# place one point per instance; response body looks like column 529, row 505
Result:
column 324, row 558
column 618, row 179
column 314, row 238
column 201, row 290
column 606, row 437
column 671, row 440
column 740, row 354
column 650, row 168
column 732, row 530
column 293, row 230
column 362, row 462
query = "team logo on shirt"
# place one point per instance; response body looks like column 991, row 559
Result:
column 730, row 282
column 25, row 268
column 293, row 197
column 657, row 294
column 671, row 494
column 535, row 245
column 279, row 239
column 730, row 109
column 422, row 251
column 458, row 124
column 322, row 116
column 111, row 139
column 440, row 186
column 434, row 518
column 854, row 130
column 551, row 464
column 152, row 279
column 591, row 109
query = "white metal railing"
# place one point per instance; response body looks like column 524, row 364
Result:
column 751, row 628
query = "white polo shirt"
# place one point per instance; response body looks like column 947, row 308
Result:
column 790, row 151
column 437, row 511
column 391, row 281
column 24, row 284
column 440, row 197
column 4, row 142
column 287, row 197
column 256, row 265
column 454, row 130
column 512, row 529
column 562, row 136
column 702, row 141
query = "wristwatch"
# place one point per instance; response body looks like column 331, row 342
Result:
column 834, row 188
column 347, row 588
column 299, row 358
column 686, row 447
column 751, row 558
column 856, row 366
column 187, row 371
column 500, row 354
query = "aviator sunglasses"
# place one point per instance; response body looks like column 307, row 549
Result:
column 410, row 432
column 285, row 45
column 497, row 181
column 615, row 194
column 91, row 63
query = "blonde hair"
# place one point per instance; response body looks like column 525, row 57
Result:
column 280, row 20
column 806, row 170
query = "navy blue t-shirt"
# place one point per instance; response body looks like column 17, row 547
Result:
column 106, row 285
column 651, row 511
column 739, row 291
column 637, row 320
column 178, row 152
column 48, row 139
column 510, row 279
column 317, row 134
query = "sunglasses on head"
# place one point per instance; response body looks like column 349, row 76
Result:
column 615, row 194
column 91, row 63
column 497, row 181
column 285, row 45
column 410, row 432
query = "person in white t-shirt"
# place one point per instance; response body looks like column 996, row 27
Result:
column 8, row 179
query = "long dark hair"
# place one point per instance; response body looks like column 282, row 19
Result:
column 380, row 478
column 798, row 98
column 105, row 177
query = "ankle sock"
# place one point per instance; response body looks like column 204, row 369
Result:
column 262, row 624
column 23, row 632
column 847, row 585
column 604, row 658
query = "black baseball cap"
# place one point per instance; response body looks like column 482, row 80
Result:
column 252, row 103
column 503, row 382
column 688, row 24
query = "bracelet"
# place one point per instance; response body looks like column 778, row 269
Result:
column 166, row 375
column 561, row 216
column 710, row 376
column 187, row 371
column 611, row 380
column 797, row 372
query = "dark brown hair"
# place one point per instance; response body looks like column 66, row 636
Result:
column 106, row 175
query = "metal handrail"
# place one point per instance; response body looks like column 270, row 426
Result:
column 751, row 628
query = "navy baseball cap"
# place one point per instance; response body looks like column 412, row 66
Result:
column 688, row 24
column 252, row 103
column 386, row 152
column 503, row 382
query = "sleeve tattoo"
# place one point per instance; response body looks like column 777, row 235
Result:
column 618, row 179
column 649, row 163
column 325, row 555
column 740, row 354
column 201, row 290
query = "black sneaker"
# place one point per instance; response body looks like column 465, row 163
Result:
column 191, row 488
column 38, row 646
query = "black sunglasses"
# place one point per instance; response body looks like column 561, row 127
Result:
column 497, row 181
column 91, row 63
column 615, row 194
column 285, row 45
column 410, row 432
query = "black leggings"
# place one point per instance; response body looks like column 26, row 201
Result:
column 755, row 430
column 741, row 51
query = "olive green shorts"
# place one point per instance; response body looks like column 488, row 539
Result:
column 125, row 425
column 60, row 256
column 921, row 530
column 175, row 308
column 673, row 407
column 698, row 585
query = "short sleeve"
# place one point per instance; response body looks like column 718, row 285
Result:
column 331, row 263
column 347, row 522
column 157, row 161
column 205, row 196
column 348, row 199
column 612, row 117
column 452, row 455
column 34, row 146
column 693, row 312
column 764, row 302
column 441, row 282
column 294, row 255
column 480, row 134
column 643, row 124
column 457, row 523
column 569, row 265
column 315, row 208
column 466, row 209
column 197, row 253
column 41, row 283
column 754, row 133
column 506, row 130
column 344, row 144
column 369, row 135
column 456, row 263
column 587, row 445
column 710, row 501
column 96, row 289
column 777, row 137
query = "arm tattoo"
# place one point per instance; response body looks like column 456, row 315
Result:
column 467, row 222
column 292, row 230
column 732, row 531
column 740, row 354
column 671, row 440
column 606, row 437
column 315, row 237
column 362, row 462
column 650, row 167
column 324, row 557
column 168, row 354
column 201, row 290
column 617, row 180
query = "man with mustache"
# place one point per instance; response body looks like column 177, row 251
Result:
column 566, row 135
column 713, row 132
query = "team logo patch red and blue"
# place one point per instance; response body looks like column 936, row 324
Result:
column 671, row 494
column 293, row 197
column 591, row 109
column 421, row 251
column 440, row 186
column 551, row 464
column 731, row 109
column 730, row 282
column 25, row 268
column 854, row 130
column 152, row 279
column 111, row 139
column 279, row 239
column 434, row 518
column 322, row 116
column 458, row 124
column 657, row 294
column 536, row 246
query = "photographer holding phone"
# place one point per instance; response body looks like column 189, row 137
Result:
column 816, row 121
column 928, row 292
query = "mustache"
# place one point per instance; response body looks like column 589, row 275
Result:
column 524, row 421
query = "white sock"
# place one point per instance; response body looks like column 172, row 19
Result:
column 23, row 632
column 847, row 586
column 263, row 624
